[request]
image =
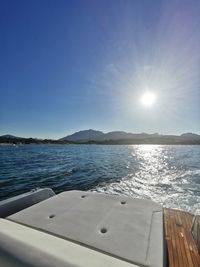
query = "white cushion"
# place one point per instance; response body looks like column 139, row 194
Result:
column 133, row 228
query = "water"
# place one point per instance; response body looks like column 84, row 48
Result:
column 169, row 175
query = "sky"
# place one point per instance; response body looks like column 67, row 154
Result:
column 68, row 65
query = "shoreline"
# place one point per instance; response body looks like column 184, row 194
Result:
column 99, row 143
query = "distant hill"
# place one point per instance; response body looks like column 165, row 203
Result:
column 86, row 135
column 115, row 135
column 191, row 136
column 11, row 139
column 10, row 136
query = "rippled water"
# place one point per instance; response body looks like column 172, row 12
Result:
column 169, row 175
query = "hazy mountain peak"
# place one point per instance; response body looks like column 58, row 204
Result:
column 9, row 136
column 83, row 135
column 190, row 135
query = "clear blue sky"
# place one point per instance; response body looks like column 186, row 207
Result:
column 72, row 65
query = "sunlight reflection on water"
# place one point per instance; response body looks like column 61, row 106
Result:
column 157, row 178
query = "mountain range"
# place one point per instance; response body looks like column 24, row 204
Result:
column 98, row 136
column 116, row 137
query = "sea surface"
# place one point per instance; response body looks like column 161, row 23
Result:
column 169, row 175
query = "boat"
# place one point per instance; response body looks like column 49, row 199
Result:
column 90, row 229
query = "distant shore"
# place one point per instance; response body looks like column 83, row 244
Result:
column 110, row 142
column 112, row 138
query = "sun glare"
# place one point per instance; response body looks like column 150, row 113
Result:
column 148, row 99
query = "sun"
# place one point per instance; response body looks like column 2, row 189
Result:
column 148, row 99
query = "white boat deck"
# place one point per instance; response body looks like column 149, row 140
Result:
column 128, row 231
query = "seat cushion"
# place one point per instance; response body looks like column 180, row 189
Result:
column 126, row 228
